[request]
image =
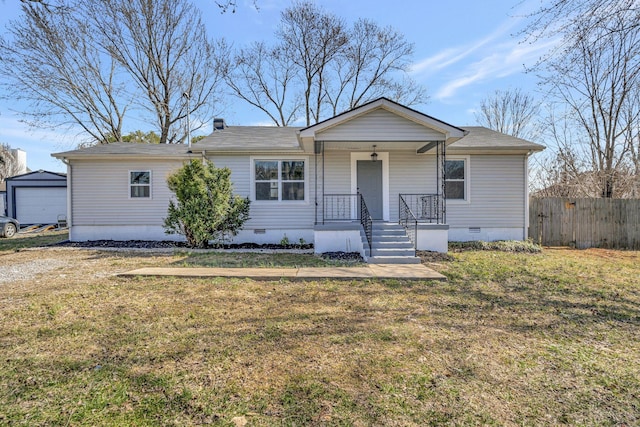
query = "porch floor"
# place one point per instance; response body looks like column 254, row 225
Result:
column 371, row 271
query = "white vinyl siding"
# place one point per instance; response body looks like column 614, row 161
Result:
column 101, row 192
column 99, row 199
column 240, row 171
column 409, row 174
column 379, row 125
column 337, row 171
column 497, row 188
column 267, row 214
column 496, row 184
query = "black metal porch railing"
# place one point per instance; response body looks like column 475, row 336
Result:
column 425, row 207
column 340, row 207
column 408, row 220
column 348, row 207
column 367, row 222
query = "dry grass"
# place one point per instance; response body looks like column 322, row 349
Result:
column 511, row 339
column 29, row 240
column 262, row 260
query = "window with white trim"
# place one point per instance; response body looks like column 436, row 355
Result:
column 140, row 184
column 455, row 179
column 279, row 180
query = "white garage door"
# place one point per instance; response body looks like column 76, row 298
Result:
column 40, row 205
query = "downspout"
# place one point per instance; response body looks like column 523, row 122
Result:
column 315, row 183
column 323, row 174
column 318, row 149
column 439, row 196
column 69, row 195
column 525, row 232
column 444, row 182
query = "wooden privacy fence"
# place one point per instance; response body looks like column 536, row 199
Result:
column 585, row 223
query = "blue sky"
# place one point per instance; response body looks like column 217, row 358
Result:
column 464, row 50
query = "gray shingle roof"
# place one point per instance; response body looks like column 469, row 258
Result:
column 483, row 138
column 251, row 138
column 128, row 149
column 276, row 139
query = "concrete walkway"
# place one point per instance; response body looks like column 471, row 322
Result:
column 371, row 271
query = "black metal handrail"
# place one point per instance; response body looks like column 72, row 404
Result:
column 366, row 221
column 425, row 207
column 408, row 220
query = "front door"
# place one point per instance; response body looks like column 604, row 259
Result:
column 370, row 185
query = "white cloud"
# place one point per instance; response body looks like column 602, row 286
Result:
column 438, row 61
column 450, row 56
column 495, row 55
column 503, row 60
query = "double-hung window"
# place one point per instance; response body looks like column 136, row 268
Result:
column 279, row 180
column 456, row 179
column 140, row 184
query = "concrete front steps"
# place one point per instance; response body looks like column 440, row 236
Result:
column 391, row 245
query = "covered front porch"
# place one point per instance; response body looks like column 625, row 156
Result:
column 378, row 219
column 380, row 163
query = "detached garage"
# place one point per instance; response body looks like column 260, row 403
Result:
column 37, row 197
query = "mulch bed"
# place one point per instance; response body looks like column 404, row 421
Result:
column 153, row 244
column 168, row 244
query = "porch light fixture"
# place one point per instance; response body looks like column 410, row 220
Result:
column 374, row 155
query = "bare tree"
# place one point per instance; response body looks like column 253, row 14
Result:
column 560, row 172
column 364, row 68
column 231, row 5
column 9, row 165
column 312, row 38
column 92, row 63
column 511, row 112
column 566, row 18
column 224, row 5
column 598, row 78
column 163, row 46
column 55, row 64
column 264, row 77
column 320, row 67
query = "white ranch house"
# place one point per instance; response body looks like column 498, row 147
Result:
column 382, row 179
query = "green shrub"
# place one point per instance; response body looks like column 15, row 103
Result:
column 500, row 245
column 205, row 208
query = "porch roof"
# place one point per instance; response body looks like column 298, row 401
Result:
column 382, row 121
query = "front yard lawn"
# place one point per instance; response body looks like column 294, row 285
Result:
column 511, row 339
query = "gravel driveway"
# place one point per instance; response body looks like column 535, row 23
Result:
column 72, row 265
column 29, row 269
